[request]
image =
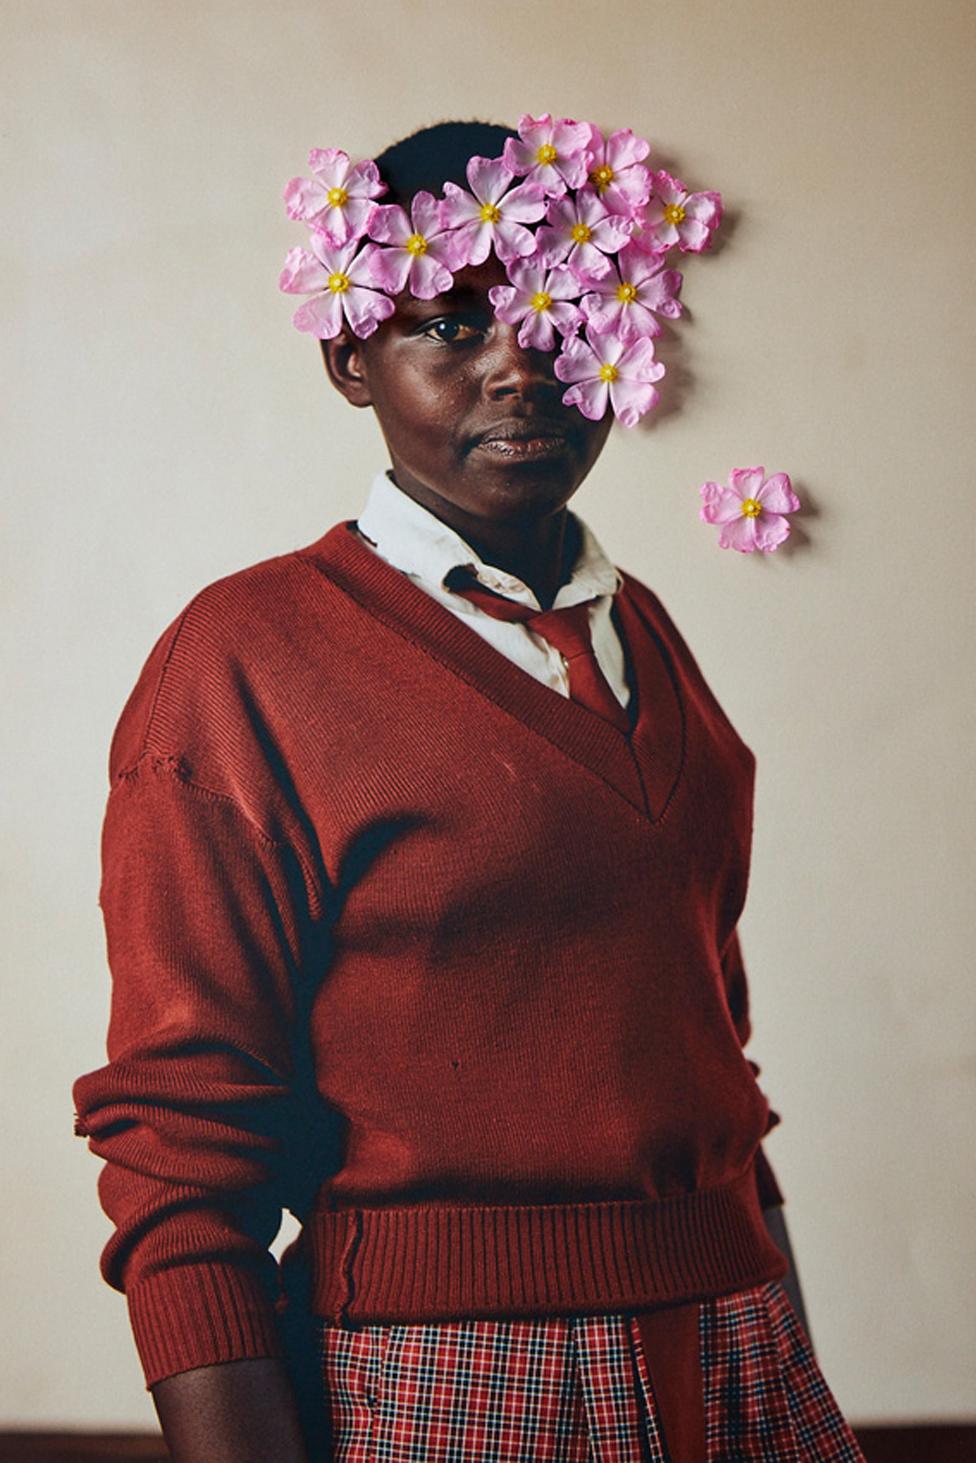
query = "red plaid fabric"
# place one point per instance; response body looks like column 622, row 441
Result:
column 569, row 1389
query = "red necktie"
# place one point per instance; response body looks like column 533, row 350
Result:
column 567, row 629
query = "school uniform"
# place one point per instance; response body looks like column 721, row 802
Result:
column 406, row 939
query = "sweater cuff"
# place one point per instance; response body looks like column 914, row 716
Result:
column 200, row 1315
column 770, row 1194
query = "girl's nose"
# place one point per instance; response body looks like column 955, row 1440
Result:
column 512, row 371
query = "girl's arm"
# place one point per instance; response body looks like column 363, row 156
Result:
column 243, row 1412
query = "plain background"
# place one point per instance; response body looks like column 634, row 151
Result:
column 165, row 425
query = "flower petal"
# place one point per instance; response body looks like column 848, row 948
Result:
column 509, row 303
column 569, row 138
column 705, row 207
column 624, row 149
column 458, row 207
column 746, row 481
column 525, row 204
column 321, row 316
column 365, row 309
column 771, row 530
column 551, row 245
column 591, row 398
column 692, row 236
column 303, row 198
column 537, row 332
column 577, row 361
column 562, row 283
column 488, row 178
column 739, row 533
column 518, row 156
column 330, row 165
column 777, row 495
column 528, row 274
column 510, row 241
column 668, row 188
column 389, row 269
column 425, row 214
column 631, row 399
column 564, row 316
column 302, row 273
column 389, row 224
column 720, row 504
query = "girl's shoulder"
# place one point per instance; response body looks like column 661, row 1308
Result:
column 217, row 657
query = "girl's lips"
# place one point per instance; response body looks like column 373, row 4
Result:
column 541, row 446
column 524, row 437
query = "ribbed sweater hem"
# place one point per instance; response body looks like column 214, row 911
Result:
column 200, row 1315
column 436, row 1262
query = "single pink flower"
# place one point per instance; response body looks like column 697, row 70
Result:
column 581, row 232
column 750, row 509
column 338, row 201
column 342, row 285
column 550, row 153
column 604, row 367
column 675, row 216
column 492, row 215
column 617, row 172
column 538, row 301
column 627, row 300
column 421, row 251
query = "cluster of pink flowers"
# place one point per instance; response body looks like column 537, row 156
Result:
column 580, row 221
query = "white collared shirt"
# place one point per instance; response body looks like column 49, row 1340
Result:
column 417, row 542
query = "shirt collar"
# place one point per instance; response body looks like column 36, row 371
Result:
column 416, row 541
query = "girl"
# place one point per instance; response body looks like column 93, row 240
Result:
column 422, row 863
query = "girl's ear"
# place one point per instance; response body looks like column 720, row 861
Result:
column 345, row 367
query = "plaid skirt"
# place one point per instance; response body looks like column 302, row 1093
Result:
column 742, row 1387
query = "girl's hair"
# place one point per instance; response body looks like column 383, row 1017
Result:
column 433, row 156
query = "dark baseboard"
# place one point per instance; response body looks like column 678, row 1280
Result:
column 923, row 1444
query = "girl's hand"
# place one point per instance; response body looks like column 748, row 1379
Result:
column 238, row 1412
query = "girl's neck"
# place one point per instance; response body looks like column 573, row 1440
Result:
column 541, row 553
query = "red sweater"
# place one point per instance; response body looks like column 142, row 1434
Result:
column 441, row 961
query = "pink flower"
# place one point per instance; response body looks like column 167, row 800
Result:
column 538, row 301
column 581, row 232
column 749, row 509
column 617, row 170
column 341, row 283
column 552, row 154
column 338, row 200
column 421, row 252
column 624, row 302
column 675, row 216
column 492, row 214
column 605, row 367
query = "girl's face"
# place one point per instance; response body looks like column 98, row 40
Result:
column 473, row 422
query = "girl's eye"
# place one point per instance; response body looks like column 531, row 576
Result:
column 452, row 330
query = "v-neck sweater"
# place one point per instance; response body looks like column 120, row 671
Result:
column 438, row 959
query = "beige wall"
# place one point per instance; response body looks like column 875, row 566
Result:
column 167, row 426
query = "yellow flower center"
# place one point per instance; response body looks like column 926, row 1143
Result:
column 626, row 293
column 751, row 508
column 601, row 178
column 490, row 213
column 580, row 233
column 608, row 372
column 416, row 244
column 338, row 197
column 338, row 283
column 673, row 213
column 546, row 154
column 541, row 301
